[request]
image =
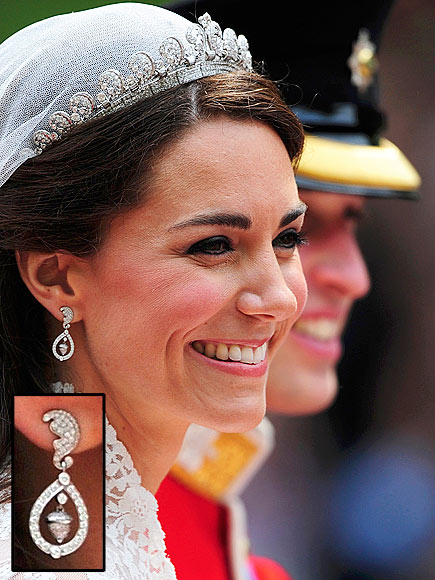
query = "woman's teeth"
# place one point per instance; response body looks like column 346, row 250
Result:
column 232, row 352
column 323, row 329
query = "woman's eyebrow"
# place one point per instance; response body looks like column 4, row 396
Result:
column 235, row 220
column 231, row 220
column 293, row 214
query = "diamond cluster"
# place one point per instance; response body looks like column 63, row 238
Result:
column 66, row 426
column 208, row 51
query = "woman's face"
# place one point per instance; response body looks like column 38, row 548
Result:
column 207, row 268
column 303, row 376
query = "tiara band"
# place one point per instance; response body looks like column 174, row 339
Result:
column 208, row 52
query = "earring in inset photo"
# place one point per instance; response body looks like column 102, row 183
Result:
column 59, row 520
column 63, row 345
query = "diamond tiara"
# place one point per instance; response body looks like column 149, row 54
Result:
column 207, row 51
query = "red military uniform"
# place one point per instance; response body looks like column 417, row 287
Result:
column 200, row 511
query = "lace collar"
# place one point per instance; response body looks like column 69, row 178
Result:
column 135, row 540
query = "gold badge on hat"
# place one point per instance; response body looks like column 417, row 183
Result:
column 363, row 62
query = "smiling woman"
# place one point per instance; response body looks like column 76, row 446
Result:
column 162, row 211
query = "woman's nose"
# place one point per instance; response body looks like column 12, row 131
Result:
column 273, row 292
column 340, row 268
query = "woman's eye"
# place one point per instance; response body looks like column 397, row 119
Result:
column 289, row 239
column 215, row 246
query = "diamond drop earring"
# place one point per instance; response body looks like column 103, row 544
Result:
column 59, row 520
column 63, row 345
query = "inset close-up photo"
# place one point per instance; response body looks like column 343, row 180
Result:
column 58, row 483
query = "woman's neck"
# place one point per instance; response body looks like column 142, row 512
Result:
column 153, row 443
column 152, row 436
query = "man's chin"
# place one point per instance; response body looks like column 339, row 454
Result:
column 301, row 391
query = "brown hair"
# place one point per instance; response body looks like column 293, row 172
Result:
column 65, row 198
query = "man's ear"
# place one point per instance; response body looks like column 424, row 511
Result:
column 53, row 280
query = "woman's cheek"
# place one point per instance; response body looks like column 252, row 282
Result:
column 197, row 301
column 183, row 295
column 295, row 280
column 180, row 295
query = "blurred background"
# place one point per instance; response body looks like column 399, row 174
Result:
column 349, row 494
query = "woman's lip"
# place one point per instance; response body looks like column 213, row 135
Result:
column 331, row 349
column 227, row 341
column 234, row 368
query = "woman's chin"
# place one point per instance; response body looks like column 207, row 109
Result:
column 303, row 391
column 237, row 418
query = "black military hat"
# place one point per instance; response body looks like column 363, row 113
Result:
column 324, row 57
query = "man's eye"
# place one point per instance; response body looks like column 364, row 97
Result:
column 289, row 239
column 215, row 246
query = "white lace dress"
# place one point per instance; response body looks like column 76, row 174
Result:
column 135, row 546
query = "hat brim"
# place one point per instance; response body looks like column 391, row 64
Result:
column 334, row 166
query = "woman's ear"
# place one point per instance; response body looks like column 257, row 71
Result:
column 52, row 280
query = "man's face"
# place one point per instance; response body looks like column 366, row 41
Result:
column 303, row 377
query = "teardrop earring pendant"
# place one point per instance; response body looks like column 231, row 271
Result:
column 63, row 345
column 59, row 520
